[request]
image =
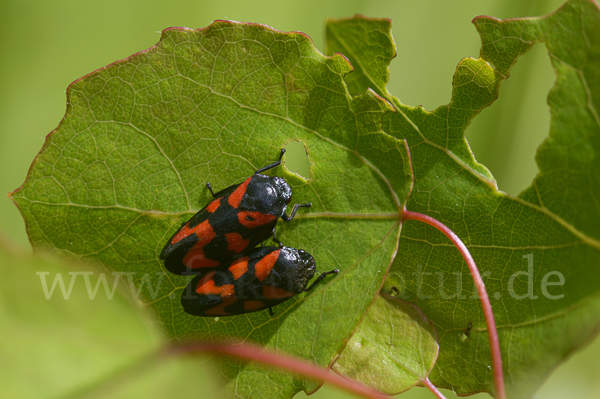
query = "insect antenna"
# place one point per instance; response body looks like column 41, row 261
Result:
column 273, row 165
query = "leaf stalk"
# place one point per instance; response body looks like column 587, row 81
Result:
column 254, row 353
column 483, row 296
column 433, row 389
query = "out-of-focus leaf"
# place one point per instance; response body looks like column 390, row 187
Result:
column 141, row 137
column 58, row 340
column 394, row 348
column 540, row 251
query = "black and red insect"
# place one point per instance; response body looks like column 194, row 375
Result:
column 263, row 278
column 234, row 222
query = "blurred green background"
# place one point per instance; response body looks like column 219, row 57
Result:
column 47, row 45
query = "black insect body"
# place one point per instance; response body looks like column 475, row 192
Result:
column 234, row 222
column 263, row 278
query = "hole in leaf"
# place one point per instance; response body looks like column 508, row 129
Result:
column 506, row 135
column 296, row 159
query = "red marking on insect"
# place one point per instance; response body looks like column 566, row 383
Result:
column 255, row 219
column 239, row 267
column 203, row 231
column 207, row 286
column 235, row 242
column 270, row 292
column 251, row 306
column 235, row 198
column 219, row 310
column 183, row 232
column 265, row 265
column 195, row 258
column 213, row 206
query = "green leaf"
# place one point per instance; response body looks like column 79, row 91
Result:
column 368, row 44
column 58, row 340
column 395, row 357
column 142, row 136
column 551, row 229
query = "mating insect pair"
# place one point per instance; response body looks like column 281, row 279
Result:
column 218, row 242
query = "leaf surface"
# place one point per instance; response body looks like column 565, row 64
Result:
column 58, row 342
column 141, row 137
column 395, row 357
column 547, row 239
column 368, row 44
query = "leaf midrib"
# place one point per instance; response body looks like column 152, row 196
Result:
column 312, row 215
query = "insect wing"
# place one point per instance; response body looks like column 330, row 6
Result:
column 208, row 294
column 248, row 284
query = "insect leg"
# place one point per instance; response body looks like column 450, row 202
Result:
column 294, row 210
column 276, row 240
column 210, row 189
column 271, row 313
column 273, row 165
column 321, row 277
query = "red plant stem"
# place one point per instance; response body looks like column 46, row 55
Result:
column 483, row 296
column 251, row 352
column 433, row 389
